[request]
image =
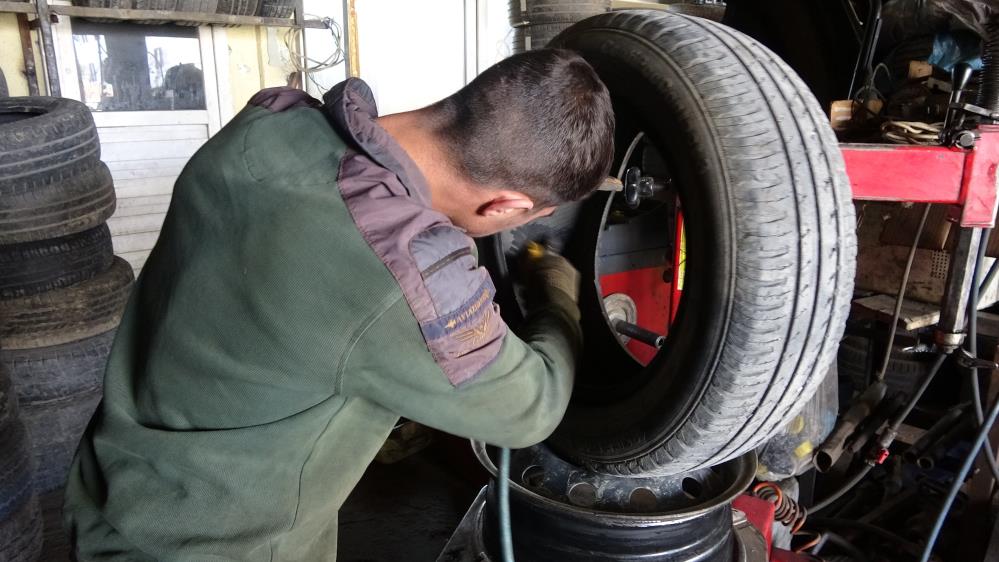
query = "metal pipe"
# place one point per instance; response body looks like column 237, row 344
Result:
column 830, row 451
column 934, row 433
column 960, row 275
column 48, row 48
column 28, row 54
column 938, row 449
column 638, row 333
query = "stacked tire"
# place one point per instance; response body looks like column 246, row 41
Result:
column 20, row 518
column 537, row 22
column 62, row 290
column 188, row 6
column 283, row 9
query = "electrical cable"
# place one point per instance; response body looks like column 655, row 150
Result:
column 843, row 544
column 815, row 540
column 880, row 376
column 819, row 506
column 976, row 391
column 506, row 534
column 911, row 132
column 294, row 38
column 823, row 522
column 955, row 487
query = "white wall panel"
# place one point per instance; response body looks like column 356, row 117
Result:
column 411, row 53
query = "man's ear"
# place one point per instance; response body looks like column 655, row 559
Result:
column 506, row 202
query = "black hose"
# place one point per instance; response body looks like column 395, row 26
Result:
column 833, row 522
column 900, row 297
column 976, row 391
column 828, row 500
column 846, row 546
column 955, row 487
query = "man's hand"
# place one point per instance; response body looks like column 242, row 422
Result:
column 549, row 277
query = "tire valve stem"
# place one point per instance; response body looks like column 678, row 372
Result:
column 638, row 333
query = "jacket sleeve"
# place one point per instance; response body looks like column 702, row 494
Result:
column 516, row 400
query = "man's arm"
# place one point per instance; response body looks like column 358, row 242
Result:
column 516, row 400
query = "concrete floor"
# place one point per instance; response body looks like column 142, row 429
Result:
column 402, row 511
column 407, row 510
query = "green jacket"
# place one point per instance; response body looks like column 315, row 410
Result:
column 301, row 297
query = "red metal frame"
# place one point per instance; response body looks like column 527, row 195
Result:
column 930, row 174
column 760, row 514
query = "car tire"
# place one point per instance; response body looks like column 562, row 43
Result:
column 35, row 267
column 55, row 429
column 43, row 138
column 533, row 37
column 56, row 203
column 770, row 249
column 276, row 9
column 20, row 519
column 537, row 12
column 237, row 7
column 65, row 315
column 57, row 388
column 48, row 374
column 857, row 362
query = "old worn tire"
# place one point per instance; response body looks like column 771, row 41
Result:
column 56, row 203
column 770, row 249
column 198, row 6
column 167, row 5
column 276, row 8
column 155, row 5
column 20, row 520
column 46, row 374
column 35, row 267
column 555, row 11
column 203, row 6
column 57, row 389
column 533, row 37
column 858, row 361
column 120, row 4
column 43, row 137
column 64, row 315
column 237, row 7
column 55, row 429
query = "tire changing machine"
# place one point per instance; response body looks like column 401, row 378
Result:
column 564, row 513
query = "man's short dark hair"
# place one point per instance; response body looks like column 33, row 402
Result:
column 539, row 122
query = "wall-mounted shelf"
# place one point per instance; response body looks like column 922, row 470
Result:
column 165, row 16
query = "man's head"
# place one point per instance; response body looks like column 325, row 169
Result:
column 530, row 133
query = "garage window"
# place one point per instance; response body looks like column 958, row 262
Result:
column 131, row 67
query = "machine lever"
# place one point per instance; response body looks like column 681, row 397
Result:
column 638, row 333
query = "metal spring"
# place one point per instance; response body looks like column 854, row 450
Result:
column 786, row 511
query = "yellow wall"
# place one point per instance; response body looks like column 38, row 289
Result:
column 255, row 61
column 11, row 61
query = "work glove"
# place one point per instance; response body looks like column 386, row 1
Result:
column 550, row 280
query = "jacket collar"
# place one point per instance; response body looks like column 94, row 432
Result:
column 351, row 106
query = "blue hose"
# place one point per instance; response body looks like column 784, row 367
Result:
column 506, row 535
column 959, row 479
